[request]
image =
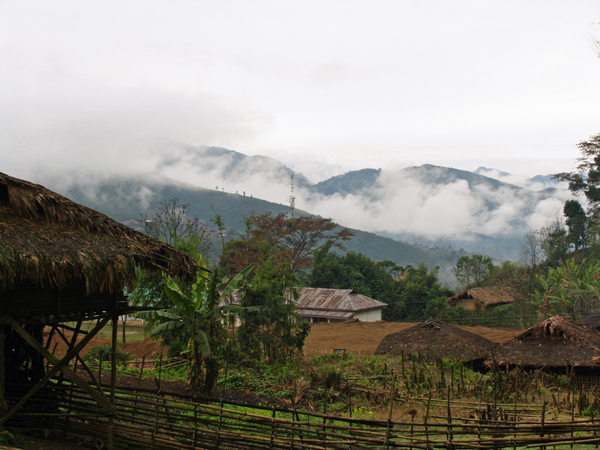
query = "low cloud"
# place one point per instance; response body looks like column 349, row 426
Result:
column 54, row 120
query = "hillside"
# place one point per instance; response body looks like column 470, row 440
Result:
column 127, row 198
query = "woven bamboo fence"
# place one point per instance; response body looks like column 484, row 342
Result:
column 162, row 421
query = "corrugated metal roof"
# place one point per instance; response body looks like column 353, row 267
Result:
column 324, row 314
column 320, row 302
column 345, row 300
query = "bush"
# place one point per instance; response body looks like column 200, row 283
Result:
column 104, row 353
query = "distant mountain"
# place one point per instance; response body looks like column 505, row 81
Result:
column 436, row 208
column 492, row 173
column 537, row 182
column 353, row 182
column 126, row 198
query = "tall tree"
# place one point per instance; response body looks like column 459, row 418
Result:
column 472, row 271
column 274, row 333
column 285, row 239
column 576, row 223
column 554, row 242
column 172, row 223
column 586, row 179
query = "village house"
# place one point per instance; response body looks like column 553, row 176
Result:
column 337, row 305
column 329, row 305
column 481, row 299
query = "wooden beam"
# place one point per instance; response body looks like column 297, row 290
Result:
column 3, row 406
column 58, row 365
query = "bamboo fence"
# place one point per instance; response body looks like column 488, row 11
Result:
column 165, row 421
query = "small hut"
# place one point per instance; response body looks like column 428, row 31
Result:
column 62, row 262
column 435, row 340
column 555, row 343
column 482, row 298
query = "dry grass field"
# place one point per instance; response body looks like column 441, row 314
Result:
column 362, row 338
column 359, row 338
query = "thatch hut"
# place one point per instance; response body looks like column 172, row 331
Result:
column 62, row 262
column 555, row 343
column 482, row 298
column 435, row 340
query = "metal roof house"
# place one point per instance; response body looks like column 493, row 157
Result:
column 337, row 305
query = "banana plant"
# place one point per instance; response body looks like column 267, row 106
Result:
column 572, row 288
column 204, row 316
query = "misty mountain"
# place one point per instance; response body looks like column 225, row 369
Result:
column 431, row 206
column 128, row 198
column 537, row 182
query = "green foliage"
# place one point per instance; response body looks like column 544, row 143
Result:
column 472, row 271
column 104, row 353
column 571, row 289
column 201, row 314
column 422, row 295
column 586, row 179
column 554, row 242
column 358, row 272
column 271, row 334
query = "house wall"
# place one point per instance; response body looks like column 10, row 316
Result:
column 368, row 316
column 466, row 304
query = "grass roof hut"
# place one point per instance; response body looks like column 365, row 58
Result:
column 435, row 340
column 62, row 262
column 482, row 298
column 553, row 343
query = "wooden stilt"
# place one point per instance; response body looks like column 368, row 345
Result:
column 3, row 406
column 113, row 379
column 57, row 365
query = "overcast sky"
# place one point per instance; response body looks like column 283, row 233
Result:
column 100, row 85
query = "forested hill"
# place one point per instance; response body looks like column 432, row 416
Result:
column 127, row 198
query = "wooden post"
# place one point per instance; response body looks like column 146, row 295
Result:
column 113, row 380
column 3, row 406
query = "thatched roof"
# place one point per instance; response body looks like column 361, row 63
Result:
column 591, row 322
column 488, row 296
column 48, row 240
column 433, row 340
column 553, row 342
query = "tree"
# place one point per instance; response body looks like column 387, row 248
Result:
column 204, row 319
column 357, row 272
column 531, row 257
column 586, row 179
column 571, row 289
column 284, row 239
column 554, row 242
column 472, row 271
column 170, row 223
column 273, row 333
column 576, row 222
column 421, row 294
